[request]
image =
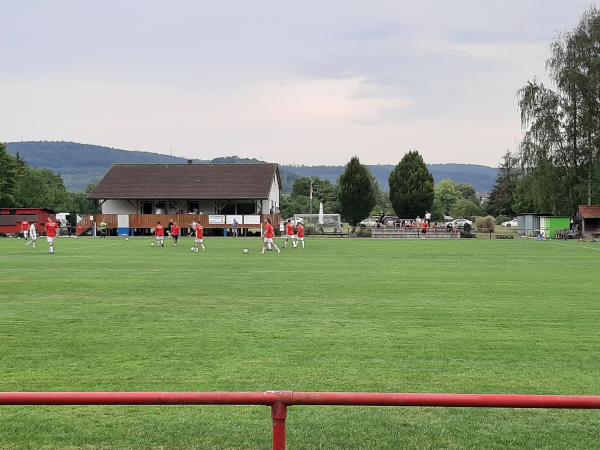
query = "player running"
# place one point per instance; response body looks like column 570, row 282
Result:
column 199, row 230
column 289, row 234
column 175, row 230
column 51, row 234
column 25, row 229
column 32, row 235
column 268, row 236
column 300, row 229
column 159, row 233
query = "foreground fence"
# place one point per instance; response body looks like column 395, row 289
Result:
column 279, row 401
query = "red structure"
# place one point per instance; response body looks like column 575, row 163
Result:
column 11, row 218
column 280, row 400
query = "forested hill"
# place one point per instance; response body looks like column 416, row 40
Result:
column 481, row 177
column 82, row 164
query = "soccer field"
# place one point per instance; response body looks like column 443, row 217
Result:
column 340, row 315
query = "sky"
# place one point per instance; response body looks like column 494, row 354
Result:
column 311, row 82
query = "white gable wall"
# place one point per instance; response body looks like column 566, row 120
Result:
column 120, row 207
column 273, row 200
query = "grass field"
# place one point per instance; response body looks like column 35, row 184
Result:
column 360, row 315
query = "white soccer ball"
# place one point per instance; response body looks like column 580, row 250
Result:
column 245, row 250
column 151, row 244
column 126, row 238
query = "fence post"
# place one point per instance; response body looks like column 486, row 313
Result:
column 279, row 414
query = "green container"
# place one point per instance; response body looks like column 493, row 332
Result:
column 550, row 226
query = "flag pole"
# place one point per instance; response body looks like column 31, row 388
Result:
column 311, row 196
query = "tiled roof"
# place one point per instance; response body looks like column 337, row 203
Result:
column 589, row 212
column 187, row 181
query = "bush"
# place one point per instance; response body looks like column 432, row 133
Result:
column 501, row 219
column 485, row 223
column 363, row 232
column 466, row 208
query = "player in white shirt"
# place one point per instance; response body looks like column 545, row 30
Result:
column 32, row 235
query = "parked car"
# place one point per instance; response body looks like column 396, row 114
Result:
column 510, row 223
column 457, row 223
column 369, row 222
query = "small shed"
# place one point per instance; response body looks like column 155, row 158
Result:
column 551, row 225
column 11, row 218
column 529, row 224
column 589, row 218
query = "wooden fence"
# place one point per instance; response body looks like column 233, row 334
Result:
column 146, row 221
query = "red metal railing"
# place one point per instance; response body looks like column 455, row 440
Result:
column 280, row 400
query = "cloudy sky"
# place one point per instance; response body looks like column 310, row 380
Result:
column 310, row 82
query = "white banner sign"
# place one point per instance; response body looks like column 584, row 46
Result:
column 238, row 217
column 216, row 219
column 253, row 219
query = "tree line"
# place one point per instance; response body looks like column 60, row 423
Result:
column 23, row 186
column 358, row 195
column 556, row 166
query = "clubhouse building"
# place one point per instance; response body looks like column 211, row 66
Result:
column 133, row 197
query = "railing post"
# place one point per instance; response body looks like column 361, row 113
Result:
column 279, row 414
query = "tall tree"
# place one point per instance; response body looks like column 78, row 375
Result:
column 467, row 191
column 560, row 150
column 411, row 186
column 382, row 201
column 466, row 209
column 298, row 201
column 355, row 192
column 9, row 176
column 501, row 196
column 446, row 195
column 41, row 188
column 323, row 190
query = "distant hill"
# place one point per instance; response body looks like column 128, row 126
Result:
column 83, row 164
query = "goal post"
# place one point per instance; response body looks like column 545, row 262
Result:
column 329, row 220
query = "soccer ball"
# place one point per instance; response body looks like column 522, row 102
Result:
column 245, row 251
column 194, row 249
column 151, row 244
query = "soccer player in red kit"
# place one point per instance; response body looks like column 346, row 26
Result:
column 159, row 233
column 300, row 228
column 199, row 230
column 25, row 229
column 175, row 230
column 51, row 233
column 268, row 236
column 289, row 234
column 424, row 228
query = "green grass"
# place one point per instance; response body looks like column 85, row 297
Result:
column 359, row 315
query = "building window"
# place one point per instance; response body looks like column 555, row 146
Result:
column 193, row 207
column 246, row 207
column 229, row 208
